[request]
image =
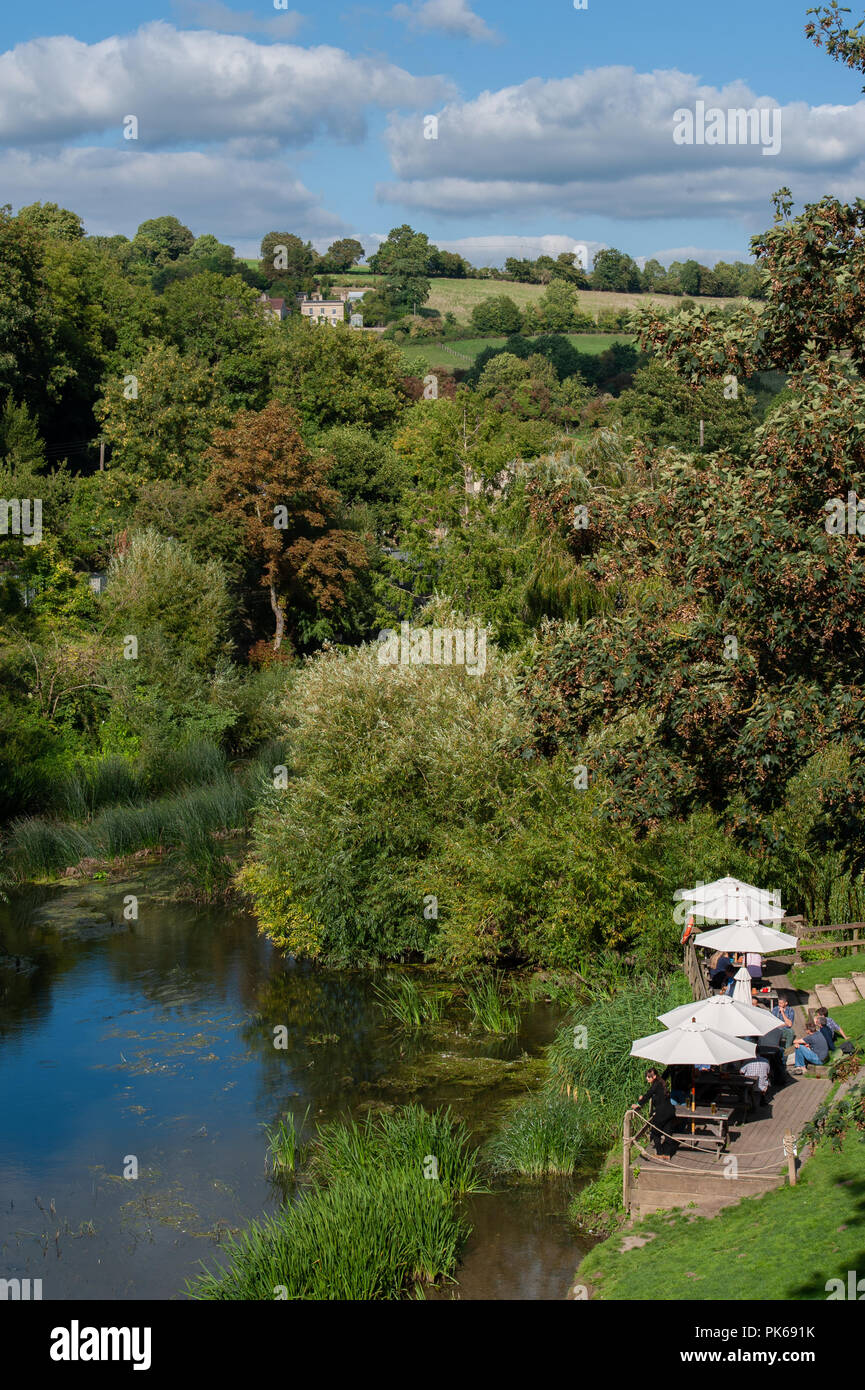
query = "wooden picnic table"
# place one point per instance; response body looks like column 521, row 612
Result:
column 741, row 1088
column 716, row 1120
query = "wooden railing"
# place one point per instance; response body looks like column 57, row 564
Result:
column 628, row 1138
column 695, row 972
column 806, row 938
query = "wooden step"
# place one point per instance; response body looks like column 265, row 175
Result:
column 846, row 991
column 827, row 996
column 859, row 981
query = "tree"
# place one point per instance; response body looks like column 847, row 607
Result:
column 559, row 306
column 342, row 255
column 733, row 665
column 53, row 220
column 566, row 268
column 654, row 278
column 207, row 246
column 159, row 416
column 265, row 478
column 497, row 314
column 614, row 270
column 403, row 260
column 332, row 376
column 288, row 260
column 161, row 240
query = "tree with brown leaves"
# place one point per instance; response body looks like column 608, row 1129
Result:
column 264, row 478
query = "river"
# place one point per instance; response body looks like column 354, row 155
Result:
column 147, row 1047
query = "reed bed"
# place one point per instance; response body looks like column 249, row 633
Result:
column 544, row 1136
column 186, row 820
column 407, row 1004
column 491, row 1004
column 591, row 1081
column 374, row 1224
column 285, row 1146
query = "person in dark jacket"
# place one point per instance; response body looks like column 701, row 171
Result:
column 662, row 1114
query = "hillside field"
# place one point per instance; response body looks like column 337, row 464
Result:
column 463, row 351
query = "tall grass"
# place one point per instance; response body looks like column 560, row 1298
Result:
column 285, row 1146
column 186, row 820
column 412, row 1008
column 543, row 1136
column 115, row 781
column 374, row 1224
column 490, row 1003
column 595, row 1066
column 591, row 1081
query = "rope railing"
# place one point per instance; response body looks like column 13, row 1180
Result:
column 788, row 1147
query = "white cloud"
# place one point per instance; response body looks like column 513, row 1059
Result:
column 116, row 190
column 455, row 18
column 602, row 142
column 212, row 14
column 187, row 86
column 494, row 250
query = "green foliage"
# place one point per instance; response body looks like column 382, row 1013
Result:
column 374, row 1223
column 402, row 999
column 542, row 1137
column 597, row 1207
column 496, row 314
column 490, row 1003
column 590, row 1057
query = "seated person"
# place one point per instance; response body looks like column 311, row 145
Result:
column 829, row 1028
column 718, row 970
column 783, row 1011
column 679, row 1081
column 812, row 1049
column 758, row 1069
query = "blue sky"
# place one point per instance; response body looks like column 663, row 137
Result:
column 554, row 123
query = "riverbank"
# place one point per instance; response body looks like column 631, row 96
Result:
column 155, row 1041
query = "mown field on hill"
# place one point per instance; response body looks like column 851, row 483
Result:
column 460, row 296
column 463, row 351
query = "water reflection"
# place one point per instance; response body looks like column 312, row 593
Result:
column 153, row 1041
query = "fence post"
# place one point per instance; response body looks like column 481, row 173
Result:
column 790, row 1151
column 626, row 1163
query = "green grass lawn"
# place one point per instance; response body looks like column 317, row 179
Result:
column 821, row 972
column 468, row 348
column 783, row 1245
column 851, row 1017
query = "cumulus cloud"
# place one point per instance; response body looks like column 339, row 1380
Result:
column 602, row 142
column 212, row 14
column 455, row 18
column 186, row 86
column 116, row 190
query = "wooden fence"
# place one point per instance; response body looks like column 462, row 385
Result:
column 807, row 938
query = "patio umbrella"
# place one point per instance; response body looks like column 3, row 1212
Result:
column 742, row 987
column 692, row 1044
column 729, row 900
column 727, row 1015
column 746, row 935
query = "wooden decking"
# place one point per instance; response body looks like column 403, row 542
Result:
column 708, row 1180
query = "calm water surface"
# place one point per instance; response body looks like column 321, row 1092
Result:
column 151, row 1044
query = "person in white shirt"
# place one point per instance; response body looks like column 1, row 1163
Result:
column 754, row 965
column 758, row 1068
